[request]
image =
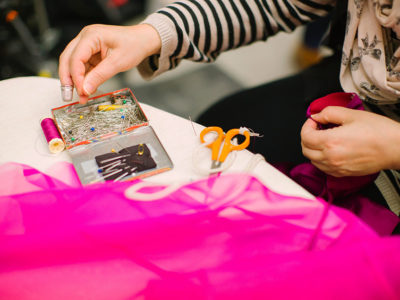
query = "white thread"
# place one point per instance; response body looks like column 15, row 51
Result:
column 133, row 191
column 242, row 130
column 251, row 132
column 198, row 168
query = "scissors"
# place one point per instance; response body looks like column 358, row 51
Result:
column 219, row 155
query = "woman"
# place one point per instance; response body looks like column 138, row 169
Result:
column 366, row 32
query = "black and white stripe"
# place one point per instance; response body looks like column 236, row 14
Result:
column 205, row 28
column 388, row 183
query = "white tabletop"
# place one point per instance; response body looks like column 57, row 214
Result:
column 25, row 100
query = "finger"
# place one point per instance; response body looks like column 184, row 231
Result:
column 103, row 71
column 312, row 154
column 80, row 56
column 63, row 67
column 334, row 115
column 83, row 99
column 311, row 137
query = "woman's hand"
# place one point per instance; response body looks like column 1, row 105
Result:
column 99, row 52
column 363, row 143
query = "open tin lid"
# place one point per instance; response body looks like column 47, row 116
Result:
column 109, row 139
column 102, row 117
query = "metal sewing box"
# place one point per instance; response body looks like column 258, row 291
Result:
column 107, row 123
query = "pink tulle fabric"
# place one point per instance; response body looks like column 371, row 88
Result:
column 226, row 237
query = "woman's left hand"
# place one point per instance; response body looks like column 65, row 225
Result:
column 363, row 143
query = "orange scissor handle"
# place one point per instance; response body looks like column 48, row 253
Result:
column 216, row 144
column 228, row 146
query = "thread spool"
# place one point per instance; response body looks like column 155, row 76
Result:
column 53, row 137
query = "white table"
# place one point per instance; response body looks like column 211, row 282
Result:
column 25, row 100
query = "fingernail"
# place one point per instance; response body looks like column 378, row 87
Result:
column 66, row 92
column 88, row 89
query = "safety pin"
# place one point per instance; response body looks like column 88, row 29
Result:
column 140, row 149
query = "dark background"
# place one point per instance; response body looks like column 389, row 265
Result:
column 31, row 43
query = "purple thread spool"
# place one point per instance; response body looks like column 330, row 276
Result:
column 53, row 137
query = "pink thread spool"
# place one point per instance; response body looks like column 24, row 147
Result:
column 53, row 137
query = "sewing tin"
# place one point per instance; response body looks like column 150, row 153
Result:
column 109, row 123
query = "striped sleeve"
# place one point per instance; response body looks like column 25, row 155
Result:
column 199, row 30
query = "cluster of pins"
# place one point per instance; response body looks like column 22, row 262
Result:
column 117, row 166
column 96, row 120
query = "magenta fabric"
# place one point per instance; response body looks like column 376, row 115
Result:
column 343, row 191
column 227, row 237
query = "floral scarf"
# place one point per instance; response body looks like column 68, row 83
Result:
column 371, row 56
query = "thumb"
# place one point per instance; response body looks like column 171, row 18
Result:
column 106, row 69
column 333, row 115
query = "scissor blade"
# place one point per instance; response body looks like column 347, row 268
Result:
column 215, row 164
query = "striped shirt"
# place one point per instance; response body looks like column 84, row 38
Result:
column 199, row 30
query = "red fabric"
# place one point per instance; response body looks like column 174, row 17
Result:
column 335, row 99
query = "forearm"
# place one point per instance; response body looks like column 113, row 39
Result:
column 200, row 30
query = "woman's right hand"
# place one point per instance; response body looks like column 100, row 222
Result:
column 99, row 52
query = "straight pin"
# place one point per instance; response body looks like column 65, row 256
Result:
column 110, row 166
column 108, row 175
column 195, row 133
column 114, row 158
column 120, row 177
